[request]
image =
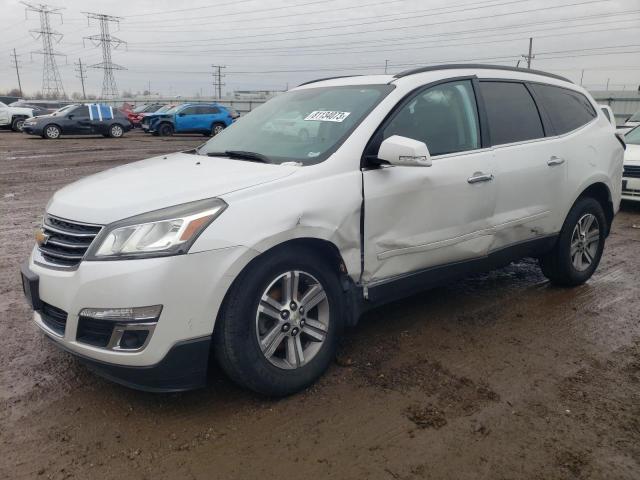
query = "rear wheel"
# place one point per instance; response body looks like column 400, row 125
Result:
column 279, row 327
column 216, row 128
column 580, row 245
column 116, row 131
column 165, row 130
column 17, row 123
column 51, row 132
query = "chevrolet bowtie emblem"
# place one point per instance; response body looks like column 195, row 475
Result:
column 41, row 238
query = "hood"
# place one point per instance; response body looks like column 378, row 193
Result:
column 22, row 111
column 157, row 183
column 632, row 153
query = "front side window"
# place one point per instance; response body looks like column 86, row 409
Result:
column 567, row 109
column 303, row 126
column 444, row 117
column 511, row 112
column 80, row 112
column 189, row 111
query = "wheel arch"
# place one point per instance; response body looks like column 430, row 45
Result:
column 602, row 193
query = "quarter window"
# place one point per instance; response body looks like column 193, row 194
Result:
column 444, row 117
column 511, row 111
column 567, row 110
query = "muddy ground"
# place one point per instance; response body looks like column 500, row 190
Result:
column 501, row 376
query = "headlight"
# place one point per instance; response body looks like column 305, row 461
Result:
column 170, row 231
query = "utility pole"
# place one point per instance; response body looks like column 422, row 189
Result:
column 386, row 64
column 217, row 79
column 15, row 63
column 51, row 81
column 530, row 55
column 106, row 40
column 608, row 79
column 81, row 69
column 581, row 77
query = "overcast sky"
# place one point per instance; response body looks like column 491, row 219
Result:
column 269, row 45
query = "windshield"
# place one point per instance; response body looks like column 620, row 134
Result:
column 140, row 109
column 633, row 137
column 303, row 126
column 635, row 117
column 62, row 110
column 171, row 109
column 164, row 109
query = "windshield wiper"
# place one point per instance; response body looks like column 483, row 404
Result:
column 241, row 155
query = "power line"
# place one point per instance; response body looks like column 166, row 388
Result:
column 16, row 64
column 106, row 40
column 82, row 75
column 51, row 81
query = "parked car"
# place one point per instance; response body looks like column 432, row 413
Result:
column 631, row 174
column 606, row 110
column 205, row 118
column 43, row 106
column 135, row 115
column 89, row 119
column 145, row 122
column 258, row 247
column 632, row 122
column 14, row 117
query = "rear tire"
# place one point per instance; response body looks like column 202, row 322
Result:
column 165, row 130
column 51, row 132
column 16, row 124
column 217, row 128
column 116, row 130
column 276, row 346
column 579, row 248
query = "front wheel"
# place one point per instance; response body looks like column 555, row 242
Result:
column 579, row 247
column 17, row 124
column 279, row 327
column 116, row 131
column 51, row 132
column 165, row 130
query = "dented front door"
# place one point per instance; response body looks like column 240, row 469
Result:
column 421, row 217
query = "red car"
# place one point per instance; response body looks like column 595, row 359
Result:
column 135, row 114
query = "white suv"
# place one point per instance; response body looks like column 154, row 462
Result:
column 14, row 117
column 261, row 245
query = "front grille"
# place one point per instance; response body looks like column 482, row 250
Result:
column 94, row 332
column 54, row 318
column 631, row 171
column 66, row 241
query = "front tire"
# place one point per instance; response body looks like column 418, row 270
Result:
column 579, row 248
column 279, row 326
column 52, row 132
column 165, row 130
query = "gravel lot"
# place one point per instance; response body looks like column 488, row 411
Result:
column 500, row 377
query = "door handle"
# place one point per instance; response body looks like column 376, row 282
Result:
column 480, row 177
column 555, row 161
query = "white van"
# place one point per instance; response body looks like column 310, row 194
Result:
column 260, row 246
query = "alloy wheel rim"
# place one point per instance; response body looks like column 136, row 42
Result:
column 217, row 129
column 116, row 131
column 52, row 132
column 585, row 241
column 19, row 124
column 292, row 320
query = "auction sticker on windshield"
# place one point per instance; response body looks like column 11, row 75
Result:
column 327, row 116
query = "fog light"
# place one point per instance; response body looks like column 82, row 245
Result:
column 133, row 339
column 132, row 314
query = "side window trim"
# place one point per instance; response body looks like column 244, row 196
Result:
column 406, row 100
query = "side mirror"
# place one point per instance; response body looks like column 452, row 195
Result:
column 181, row 114
column 404, row 152
column 70, row 116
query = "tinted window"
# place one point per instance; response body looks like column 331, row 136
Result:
column 207, row 110
column 444, row 117
column 511, row 111
column 567, row 110
column 82, row 111
column 190, row 111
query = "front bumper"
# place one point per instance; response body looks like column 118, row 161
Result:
column 631, row 189
column 189, row 287
column 32, row 129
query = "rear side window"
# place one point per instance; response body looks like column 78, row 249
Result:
column 511, row 111
column 444, row 117
column 567, row 110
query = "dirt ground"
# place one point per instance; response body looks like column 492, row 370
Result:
column 501, row 376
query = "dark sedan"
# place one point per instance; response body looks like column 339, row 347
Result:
column 90, row 119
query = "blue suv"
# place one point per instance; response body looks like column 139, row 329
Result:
column 206, row 118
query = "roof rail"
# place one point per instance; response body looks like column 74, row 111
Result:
column 477, row 65
column 327, row 78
